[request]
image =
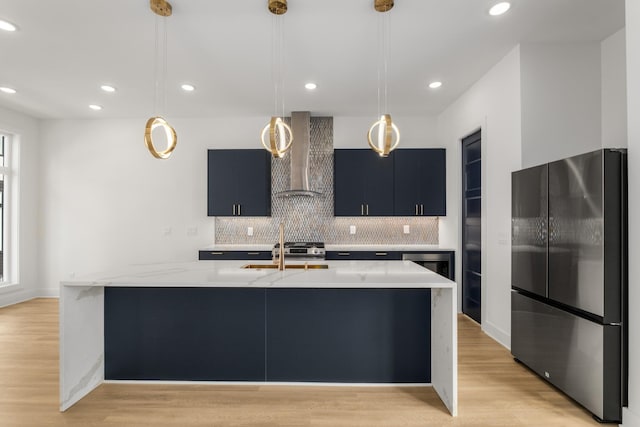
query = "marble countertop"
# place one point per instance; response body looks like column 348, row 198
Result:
column 396, row 247
column 334, row 247
column 340, row 274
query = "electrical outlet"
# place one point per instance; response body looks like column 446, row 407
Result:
column 352, row 229
column 406, row 229
column 249, row 231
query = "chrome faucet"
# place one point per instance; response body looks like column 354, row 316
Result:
column 281, row 253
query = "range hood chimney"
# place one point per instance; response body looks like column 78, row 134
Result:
column 299, row 156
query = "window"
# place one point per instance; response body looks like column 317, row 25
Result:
column 2, row 182
column 8, row 211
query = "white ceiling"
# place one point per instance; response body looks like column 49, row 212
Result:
column 65, row 49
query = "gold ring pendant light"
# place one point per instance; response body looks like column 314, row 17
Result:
column 276, row 137
column 169, row 131
column 387, row 136
column 164, row 9
column 385, row 143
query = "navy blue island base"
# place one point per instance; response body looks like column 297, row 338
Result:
column 267, row 334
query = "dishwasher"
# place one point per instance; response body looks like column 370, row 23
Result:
column 440, row 263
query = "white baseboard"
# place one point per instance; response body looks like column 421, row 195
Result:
column 47, row 293
column 497, row 334
column 15, row 297
column 630, row 419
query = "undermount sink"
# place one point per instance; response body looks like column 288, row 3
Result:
column 288, row 266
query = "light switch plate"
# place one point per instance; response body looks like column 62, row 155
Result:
column 352, row 229
column 249, row 231
column 406, row 229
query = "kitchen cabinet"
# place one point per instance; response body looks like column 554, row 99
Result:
column 234, row 255
column 268, row 334
column 420, row 182
column 363, row 183
column 238, row 183
column 441, row 262
column 410, row 182
column 363, row 255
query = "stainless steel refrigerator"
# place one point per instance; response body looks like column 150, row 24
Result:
column 569, row 277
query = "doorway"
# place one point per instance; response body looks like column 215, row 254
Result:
column 471, row 225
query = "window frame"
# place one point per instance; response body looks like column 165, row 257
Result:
column 9, row 219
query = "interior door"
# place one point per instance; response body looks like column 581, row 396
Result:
column 471, row 225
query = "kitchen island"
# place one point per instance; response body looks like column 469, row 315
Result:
column 356, row 322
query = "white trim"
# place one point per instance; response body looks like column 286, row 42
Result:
column 267, row 383
column 47, row 293
column 11, row 208
column 18, row 296
column 497, row 334
column 630, row 419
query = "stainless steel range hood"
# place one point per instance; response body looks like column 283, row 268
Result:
column 299, row 156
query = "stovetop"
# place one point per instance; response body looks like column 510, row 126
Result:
column 301, row 249
column 301, row 245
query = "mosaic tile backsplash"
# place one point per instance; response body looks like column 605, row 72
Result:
column 311, row 218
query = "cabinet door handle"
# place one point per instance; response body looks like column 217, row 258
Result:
column 253, row 253
column 367, row 210
column 381, row 254
column 234, row 210
column 239, row 205
column 416, row 210
column 362, row 210
column 421, row 209
column 217, row 253
column 344, row 253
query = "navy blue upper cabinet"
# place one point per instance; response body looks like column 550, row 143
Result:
column 239, row 183
column 363, row 183
column 410, row 182
column 420, row 182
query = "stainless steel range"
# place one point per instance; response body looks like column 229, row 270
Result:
column 301, row 250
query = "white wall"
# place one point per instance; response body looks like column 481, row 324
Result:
column 110, row 203
column 493, row 104
column 26, row 133
column 631, row 415
column 614, row 91
column 561, row 106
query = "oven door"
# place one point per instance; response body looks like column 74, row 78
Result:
column 436, row 262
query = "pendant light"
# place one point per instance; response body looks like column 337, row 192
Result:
column 276, row 137
column 383, row 136
column 163, row 10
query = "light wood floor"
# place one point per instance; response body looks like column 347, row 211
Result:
column 494, row 391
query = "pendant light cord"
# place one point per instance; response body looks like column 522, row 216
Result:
column 277, row 63
column 156, row 60
column 386, row 52
column 164, row 66
column 383, row 62
column 160, row 67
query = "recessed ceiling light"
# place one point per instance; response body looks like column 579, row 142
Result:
column 95, row 107
column 188, row 88
column 499, row 8
column 435, row 85
column 7, row 90
column 311, row 86
column 7, row 26
column 108, row 88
